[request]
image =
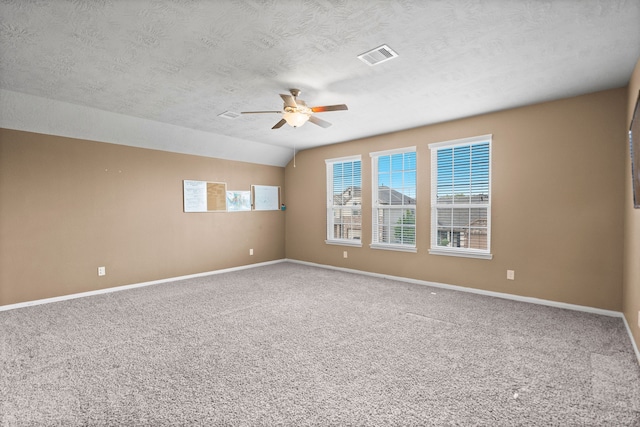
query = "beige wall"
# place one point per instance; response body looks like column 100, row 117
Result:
column 631, row 287
column 68, row 206
column 558, row 187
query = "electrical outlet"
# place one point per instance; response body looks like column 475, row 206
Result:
column 344, row 254
column 251, row 251
column 511, row 275
column 102, row 271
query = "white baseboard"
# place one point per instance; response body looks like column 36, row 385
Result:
column 550, row 303
column 132, row 286
column 635, row 347
column 586, row 309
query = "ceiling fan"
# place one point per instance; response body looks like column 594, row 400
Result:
column 296, row 113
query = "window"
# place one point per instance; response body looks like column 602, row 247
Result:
column 344, row 200
column 394, row 199
column 461, row 197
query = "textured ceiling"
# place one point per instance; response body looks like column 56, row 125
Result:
column 183, row 62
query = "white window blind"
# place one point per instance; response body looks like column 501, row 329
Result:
column 394, row 177
column 461, row 197
column 344, row 201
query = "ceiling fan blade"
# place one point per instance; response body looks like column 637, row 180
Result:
column 319, row 122
column 324, row 108
column 289, row 101
column 259, row 112
column 279, row 124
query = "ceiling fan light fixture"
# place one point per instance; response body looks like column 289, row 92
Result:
column 295, row 118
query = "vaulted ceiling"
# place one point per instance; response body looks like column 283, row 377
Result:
column 159, row 73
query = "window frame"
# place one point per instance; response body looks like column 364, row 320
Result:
column 375, row 206
column 330, row 237
column 456, row 251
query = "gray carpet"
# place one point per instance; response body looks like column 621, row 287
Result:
column 293, row 345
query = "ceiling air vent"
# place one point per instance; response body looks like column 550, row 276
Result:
column 229, row 115
column 378, row 55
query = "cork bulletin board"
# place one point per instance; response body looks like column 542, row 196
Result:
column 204, row 196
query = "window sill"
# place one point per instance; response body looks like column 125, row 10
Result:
column 394, row 247
column 460, row 253
column 355, row 243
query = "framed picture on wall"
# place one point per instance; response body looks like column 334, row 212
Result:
column 634, row 148
column 238, row 201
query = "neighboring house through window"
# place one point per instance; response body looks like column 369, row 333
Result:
column 394, row 199
column 344, row 201
column 461, row 197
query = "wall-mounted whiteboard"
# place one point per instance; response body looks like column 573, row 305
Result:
column 265, row 197
column 203, row 196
